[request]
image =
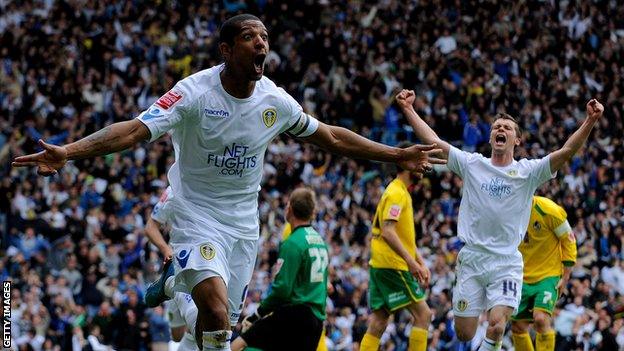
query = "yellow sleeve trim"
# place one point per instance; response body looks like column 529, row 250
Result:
column 562, row 229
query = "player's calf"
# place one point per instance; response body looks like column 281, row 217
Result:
column 212, row 331
column 497, row 321
column 520, row 336
column 545, row 337
column 421, row 313
column 378, row 322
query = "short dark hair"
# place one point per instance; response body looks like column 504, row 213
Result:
column 302, row 203
column 231, row 27
column 503, row 115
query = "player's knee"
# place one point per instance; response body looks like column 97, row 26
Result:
column 177, row 333
column 377, row 325
column 215, row 311
column 466, row 328
column 518, row 328
column 212, row 316
column 422, row 317
column 465, row 335
column 541, row 321
column 496, row 326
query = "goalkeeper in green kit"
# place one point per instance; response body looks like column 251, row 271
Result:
column 291, row 317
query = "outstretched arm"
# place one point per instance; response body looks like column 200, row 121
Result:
column 405, row 99
column 347, row 143
column 577, row 139
column 116, row 137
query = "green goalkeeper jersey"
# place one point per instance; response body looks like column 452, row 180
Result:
column 302, row 273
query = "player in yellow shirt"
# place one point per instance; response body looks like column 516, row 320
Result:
column 395, row 265
column 321, row 345
column 548, row 252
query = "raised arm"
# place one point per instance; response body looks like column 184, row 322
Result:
column 406, row 99
column 344, row 142
column 578, row 138
column 116, row 137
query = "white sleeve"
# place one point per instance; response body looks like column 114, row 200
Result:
column 169, row 110
column 299, row 124
column 162, row 210
column 304, row 126
column 457, row 160
column 540, row 171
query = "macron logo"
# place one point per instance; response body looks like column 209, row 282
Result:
column 183, row 257
column 216, row 113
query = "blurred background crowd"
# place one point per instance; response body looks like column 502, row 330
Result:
column 74, row 245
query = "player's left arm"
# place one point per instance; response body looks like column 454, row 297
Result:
column 577, row 139
column 563, row 231
column 154, row 235
column 291, row 258
column 344, row 142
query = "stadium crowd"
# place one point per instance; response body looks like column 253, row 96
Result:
column 74, row 246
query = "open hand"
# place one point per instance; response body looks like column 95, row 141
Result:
column 48, row 161
column 418, row 158
column 594, row 110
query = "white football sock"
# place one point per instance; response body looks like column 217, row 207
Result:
column 216, row 340
column 490, row 345
column 169, row 286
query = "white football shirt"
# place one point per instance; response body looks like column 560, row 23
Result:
column 220, row 142
column 496, row 201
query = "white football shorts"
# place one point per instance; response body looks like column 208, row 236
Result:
column 203, row 249
column 485, row 280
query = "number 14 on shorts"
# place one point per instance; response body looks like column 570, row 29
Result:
column 509, row 287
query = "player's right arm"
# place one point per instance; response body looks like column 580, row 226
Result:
column 389, row 234
column 406, row 99
column 116, row 137
column 162, row 116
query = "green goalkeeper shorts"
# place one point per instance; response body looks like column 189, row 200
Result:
column 537, row 296
column 392, row 289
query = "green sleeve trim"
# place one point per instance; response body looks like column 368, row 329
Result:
column 539, row 210
column 568, row 263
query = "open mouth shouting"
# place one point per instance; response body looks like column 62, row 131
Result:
column 259, row 63
column 500, row 139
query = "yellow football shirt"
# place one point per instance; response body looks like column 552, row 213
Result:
column 549, row 243
column 286, row 232
column 395, row 205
